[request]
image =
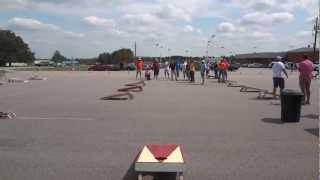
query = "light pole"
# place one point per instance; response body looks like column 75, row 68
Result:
column 208, row 45
column 169, row 54
column 187, row 54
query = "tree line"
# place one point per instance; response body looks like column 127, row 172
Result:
column 14, row 49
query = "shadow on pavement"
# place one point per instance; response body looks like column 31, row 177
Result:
column 132, row 175
column 313, row 131
column 262, row 99
column 311, row 116
column 275, row 103
column 272, row 120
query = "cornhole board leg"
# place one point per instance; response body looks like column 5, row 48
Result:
column 146, row 161
column 179, row 176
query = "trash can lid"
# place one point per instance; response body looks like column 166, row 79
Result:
column 292, row 92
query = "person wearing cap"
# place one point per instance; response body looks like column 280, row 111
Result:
column 184, row 70
column 203, row 69
column 278, row 69
column 173, row 70
column 156, row 69
column 305, row 77
column 166, row 70
column 139, row 67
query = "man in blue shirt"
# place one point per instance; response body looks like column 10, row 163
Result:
column 203, row 69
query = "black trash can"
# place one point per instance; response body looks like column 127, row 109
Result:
column 291, row 101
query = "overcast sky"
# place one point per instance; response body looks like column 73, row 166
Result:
column 85, row 28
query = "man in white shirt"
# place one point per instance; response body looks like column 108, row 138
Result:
column 278, row 69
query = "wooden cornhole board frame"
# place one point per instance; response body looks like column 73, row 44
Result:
column 264, row 95
column 148, row 162
column 252, row 89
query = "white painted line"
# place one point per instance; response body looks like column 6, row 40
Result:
column 56, row 118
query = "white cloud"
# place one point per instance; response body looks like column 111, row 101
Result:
column 30, row 24
column 73, row 34
column 26, row 24
column 140, row 19
column 169, row 11
column 304, row 34
column 226, row 27
column 311, row 20
column 188, row 28
column 261, row 18
column 260, row 35
column 99, row 22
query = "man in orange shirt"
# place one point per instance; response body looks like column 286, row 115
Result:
column 139, row 67
column 192, row 71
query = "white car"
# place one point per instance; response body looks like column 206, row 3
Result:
column 255, row 65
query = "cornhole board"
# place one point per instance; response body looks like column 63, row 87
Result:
column 266, row 95
column 37, row 78
column 230, row 84
column 156, row 158
column 16, row 80
column 10, row 115
column 251, row 89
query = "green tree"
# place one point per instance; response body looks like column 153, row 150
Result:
column 14, row 49
column 58, row 58
column 122, row 55
column 105, row 58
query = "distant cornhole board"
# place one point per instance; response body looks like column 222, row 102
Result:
column 5, row 115
column 139, row 83
column 38, row 78
column 16, row 80
column 156, row 158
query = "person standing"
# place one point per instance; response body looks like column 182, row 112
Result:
column 173, row 70
column 278, row 69
column 139, row 67
column 216, row 70
column 203, row 69
column 166, row 70
column 222, row 66
column 156, row 69
column 184, row 70
column 188, row 70
column 192, row 71
column 178, row 69
column 305, row 77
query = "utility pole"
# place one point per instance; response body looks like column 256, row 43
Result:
column 316, row 29
column 135, row 49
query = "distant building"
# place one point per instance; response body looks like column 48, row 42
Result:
column 296, row 54
column 261, row 58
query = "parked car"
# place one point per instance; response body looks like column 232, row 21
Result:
column 100, row 67
column 255, row 65
column 289, row 65
column 234, row 66
column 131, row 67
column 316, row 67
column 244, row 65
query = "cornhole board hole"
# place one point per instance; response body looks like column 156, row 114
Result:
column 156, row 158
column 230, row 84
